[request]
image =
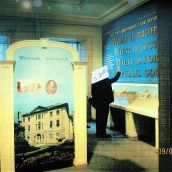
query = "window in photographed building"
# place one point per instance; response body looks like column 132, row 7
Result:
column 57, row 112
column 28, row 118
column 23, row 119
column 28, row 127
column 39, row 116
column 36, row 127
column 51, row 113
column 51, row 124
column 57, row 123
column 39, row 125
column 3, row 46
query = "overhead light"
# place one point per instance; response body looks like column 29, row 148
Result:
column 37, row 3
column 26, row 4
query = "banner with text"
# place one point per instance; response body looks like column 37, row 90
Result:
column 131, row 43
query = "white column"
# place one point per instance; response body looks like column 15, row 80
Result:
column 6, row 117
column 131, row 131
column 80, row 117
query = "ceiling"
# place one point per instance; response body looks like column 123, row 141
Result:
column 84, row 12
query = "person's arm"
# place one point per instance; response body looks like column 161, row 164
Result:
column 116, row 77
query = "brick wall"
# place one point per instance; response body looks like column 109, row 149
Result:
column 165, row 81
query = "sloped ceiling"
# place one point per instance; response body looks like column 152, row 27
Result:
column 86, row 12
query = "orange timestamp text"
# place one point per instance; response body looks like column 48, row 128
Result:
column 164, row 151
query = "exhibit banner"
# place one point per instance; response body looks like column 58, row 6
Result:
column 131, row 43
column 42, row 77
column 43, row 107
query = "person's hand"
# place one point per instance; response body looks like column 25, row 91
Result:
column 118, row 69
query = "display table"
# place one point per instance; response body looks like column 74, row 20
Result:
column 136, row 104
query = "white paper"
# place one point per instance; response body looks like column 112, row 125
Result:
column 99, row 74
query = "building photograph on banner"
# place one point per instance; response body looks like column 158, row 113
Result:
column 43, row 108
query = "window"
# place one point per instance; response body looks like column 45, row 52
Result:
column 28, row 127
column 51, row 113
column 39, row 116
column 73, row 42
column 23, row 119
column 36, row 127
column 3, row 46
column 57, row 112
column 82, row 50
column 39, row 125
column 79, row 45
column 51, row 124
column 28, row 118
column 57, row 123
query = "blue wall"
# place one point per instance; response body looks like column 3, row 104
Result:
column 131, row 43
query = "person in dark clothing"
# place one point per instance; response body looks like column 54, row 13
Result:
column 102, row 96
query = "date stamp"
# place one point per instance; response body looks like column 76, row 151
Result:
column 164, row 151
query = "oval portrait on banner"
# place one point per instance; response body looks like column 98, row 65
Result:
column 51, row 87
